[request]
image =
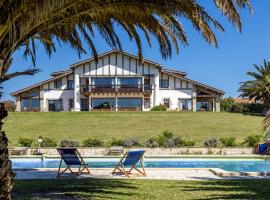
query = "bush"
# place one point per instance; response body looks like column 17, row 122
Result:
column 116, row 142
column 49, row 142
column 69, row 143
column 130, row 143
column 252, row 140
column 151, row 144
column 163, row 137
column 226, row 104
column 239, row 108
column 25, row 142
column 255, row 107
column 169, row 143
column 183, row 143
column 188, row 143
column 92, row 142
column 228, row 141
column 213, row 142
column 159, row 108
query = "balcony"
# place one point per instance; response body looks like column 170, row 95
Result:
column 122, row 89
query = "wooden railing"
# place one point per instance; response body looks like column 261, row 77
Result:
column 132, row 88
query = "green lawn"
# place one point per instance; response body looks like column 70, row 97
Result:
column 141, row 189
column 137, row 125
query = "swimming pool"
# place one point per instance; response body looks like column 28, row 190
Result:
column 235, row 165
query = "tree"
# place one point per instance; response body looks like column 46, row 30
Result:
column 259, row 87
column 10, row 105
column 24, row 23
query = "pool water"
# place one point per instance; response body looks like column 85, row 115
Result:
column 235, row 165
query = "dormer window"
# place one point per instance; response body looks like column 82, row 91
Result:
column 58, row 84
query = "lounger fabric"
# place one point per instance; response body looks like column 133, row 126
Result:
column 131, row 161
column 72, row 157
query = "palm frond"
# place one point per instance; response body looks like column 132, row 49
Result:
column 27, row 22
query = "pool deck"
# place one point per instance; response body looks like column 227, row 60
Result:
column 152, row 173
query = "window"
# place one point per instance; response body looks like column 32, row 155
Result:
column 166, row 102
column 163, row 83
column 71, row 104
column 146, row 102
column 103, row 82
column 185, row 104
column 129, row 102
column 84, row 105
column 103, row 103
column 31, row 104
column 70, row 84
column 55, row 105
column 25, row 104
column 129, row 82
column 35, row 104
column 58, row 84
column 204, row 106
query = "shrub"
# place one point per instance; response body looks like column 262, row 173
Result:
column 255, row 107
column 116, row 142
column 239, row 108
column 167, row 134
column 159, row 108
column 228, row 141
column 183, row 143
column 69, row 143
column 162, row 138
column 169, row 143
column 48, row 142
column 188, row 143
column 92, row 142
column 25, row 142
column 151, row 144
column 130, row 143
column 226, row 104
column 213, row 142
column 252, row 140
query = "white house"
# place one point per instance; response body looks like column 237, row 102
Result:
column 118, row 82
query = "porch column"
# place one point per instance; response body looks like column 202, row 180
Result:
column 77, row 94
column 18, row 104
column 156, row 89
column 194, row 99
column 214, row 105
column 217, row 104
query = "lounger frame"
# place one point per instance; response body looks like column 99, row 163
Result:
column 120, row 167
column 83, row 166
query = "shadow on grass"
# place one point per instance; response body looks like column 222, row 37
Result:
column 141, row 189
column 229, row 189
column 71, row 189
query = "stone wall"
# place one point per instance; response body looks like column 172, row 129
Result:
column 153, row 151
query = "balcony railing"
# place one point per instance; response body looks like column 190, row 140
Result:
column 131, row 88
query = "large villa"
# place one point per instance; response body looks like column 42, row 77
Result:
column 117, row 82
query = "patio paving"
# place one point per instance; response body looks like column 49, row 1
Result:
column 161, row 174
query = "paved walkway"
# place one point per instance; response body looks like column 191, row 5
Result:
column 164, row 174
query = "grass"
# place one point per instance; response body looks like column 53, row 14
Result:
column 141, row 189
column 132, row 125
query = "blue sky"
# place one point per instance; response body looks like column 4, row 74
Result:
column 222, row 68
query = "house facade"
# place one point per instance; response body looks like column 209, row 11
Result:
column 118, row 81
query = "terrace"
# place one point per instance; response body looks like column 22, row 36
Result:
column 116, row 88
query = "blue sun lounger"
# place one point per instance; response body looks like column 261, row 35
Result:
column 72, row 157
column 262, row 148
column 129, row 162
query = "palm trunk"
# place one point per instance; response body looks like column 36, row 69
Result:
column 6, row 174
column 266, row 110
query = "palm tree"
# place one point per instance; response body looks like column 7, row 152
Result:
column 24, row 23
column 259, row 87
